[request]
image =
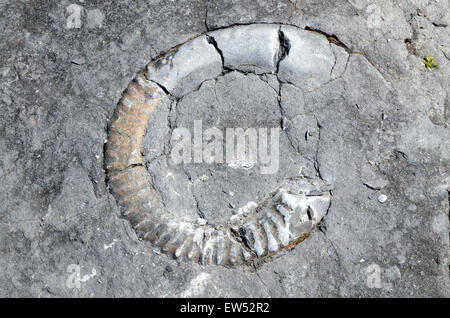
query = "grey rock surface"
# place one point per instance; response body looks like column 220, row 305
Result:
column 378, row 114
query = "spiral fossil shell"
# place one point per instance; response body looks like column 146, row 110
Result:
column 284, row 217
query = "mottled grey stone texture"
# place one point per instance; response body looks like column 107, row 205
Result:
column 380, row 115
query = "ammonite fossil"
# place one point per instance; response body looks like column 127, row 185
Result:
column 286, row 208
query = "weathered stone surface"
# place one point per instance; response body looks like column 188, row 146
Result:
column 60, row 86
column 249, row 48
column 341, row 59
column 226, row 13
column 377, row 184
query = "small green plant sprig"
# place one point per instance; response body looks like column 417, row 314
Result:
column 428, row 62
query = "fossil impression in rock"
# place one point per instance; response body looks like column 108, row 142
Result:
column 281, row 219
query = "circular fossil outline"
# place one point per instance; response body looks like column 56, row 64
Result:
column 285, row 217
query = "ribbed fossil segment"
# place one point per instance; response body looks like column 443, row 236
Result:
column 249, row 48
column 184, row 69
column 284, row 221
column 128, row 124
column 279, row 220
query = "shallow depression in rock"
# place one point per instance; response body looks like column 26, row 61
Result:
column 217, row 191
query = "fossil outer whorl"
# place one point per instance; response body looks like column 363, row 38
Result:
column 282, row 219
